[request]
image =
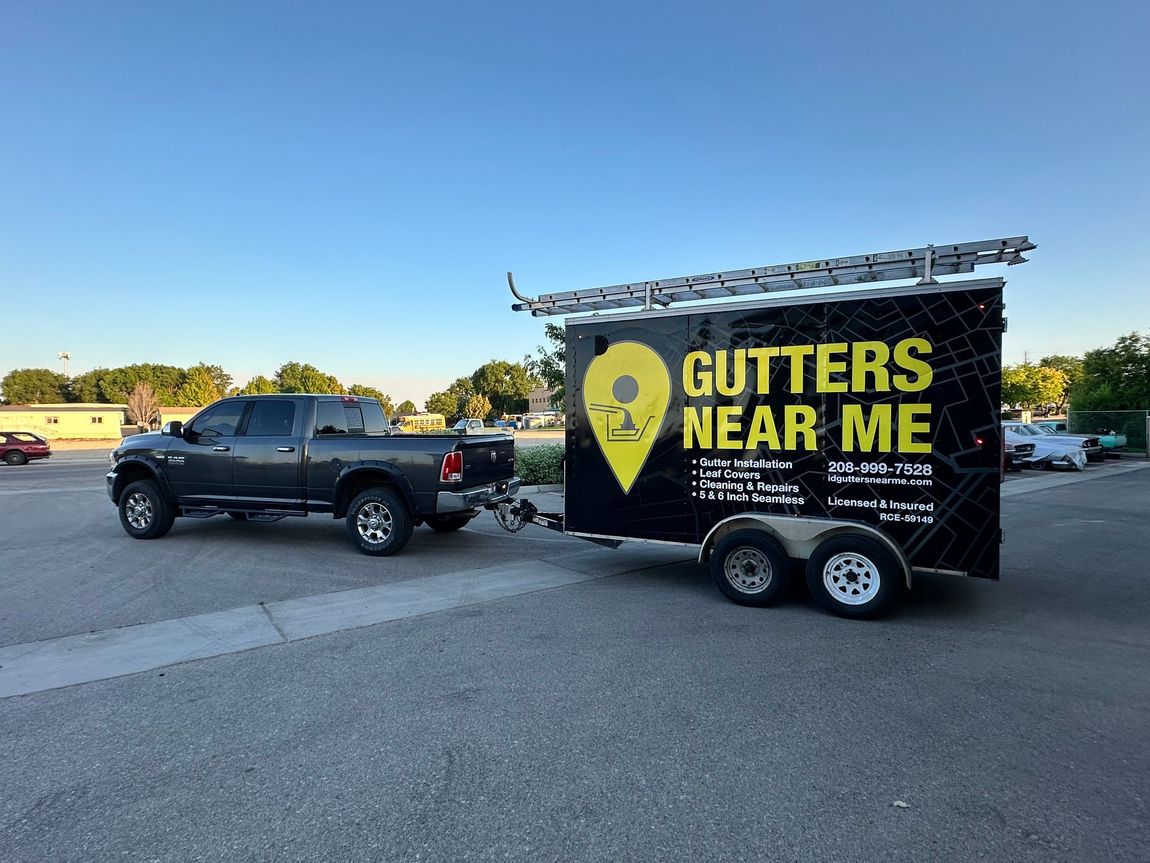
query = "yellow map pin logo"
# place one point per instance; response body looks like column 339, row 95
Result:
column 626, row 391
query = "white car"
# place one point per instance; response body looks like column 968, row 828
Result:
column 1048, row 451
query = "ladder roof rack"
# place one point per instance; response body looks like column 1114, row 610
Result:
column 923, row 263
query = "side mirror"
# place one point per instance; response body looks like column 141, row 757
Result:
column 175, row 428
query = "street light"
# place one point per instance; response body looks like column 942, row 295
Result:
column 65, row 356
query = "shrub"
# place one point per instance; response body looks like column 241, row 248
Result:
column 540, row 465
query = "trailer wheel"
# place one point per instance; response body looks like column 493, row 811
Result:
column 750, row 567
column 378, row 522
column 853, row 576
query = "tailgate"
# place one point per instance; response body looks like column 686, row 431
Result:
column 487, row 458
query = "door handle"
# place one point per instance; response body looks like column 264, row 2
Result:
column 285, row 449
column 220, row 448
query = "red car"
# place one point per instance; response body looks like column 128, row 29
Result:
column 21, row 447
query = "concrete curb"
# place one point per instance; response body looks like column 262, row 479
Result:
column 541, row 489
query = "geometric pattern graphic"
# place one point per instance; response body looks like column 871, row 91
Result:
column 941, row 506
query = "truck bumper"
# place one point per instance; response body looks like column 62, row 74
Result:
column 471, row 498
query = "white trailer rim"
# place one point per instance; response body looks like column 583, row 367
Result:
column 851, row 578
column 747, row 570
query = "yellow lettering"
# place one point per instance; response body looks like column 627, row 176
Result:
column 908, row 425
column 763, row 429
column 824, row 368
column 800, row 419
column 870, row 358
column 728, row 424
column 796, row 353
column 695, row 381
column 922, row 370
column 855, row 425
column 762, row 358
column 696, row 430
column 740, row 373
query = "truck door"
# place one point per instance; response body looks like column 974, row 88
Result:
column 199, row 464
column 268, row 452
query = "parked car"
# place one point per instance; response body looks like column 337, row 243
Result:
column 1015, row 454
column 1089, row 444
column 1047, row 451
column 473, row 426
column 1109, row 438
column 22, row 447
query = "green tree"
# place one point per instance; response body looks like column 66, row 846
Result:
column 442, row 403
column 478, row 407
column 372, row 393
column 294, row 377
column 407, row 406
column 506, row 385
column 34, row 386
column 259, row 386
column 1071, row 368
column 550, row 364
column 221, row 379
column 1028, row 385
column 89, row 387
column 1115, row 378
column 116, row 384
column 199, row 387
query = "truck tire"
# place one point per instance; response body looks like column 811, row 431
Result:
column 15, row 457
column 378, row 522
column 144, row 512
column 750, row 567
column 448, row 523
column 853, row 576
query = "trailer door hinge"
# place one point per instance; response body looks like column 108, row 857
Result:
column 1001, row 536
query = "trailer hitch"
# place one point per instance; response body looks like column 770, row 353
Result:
column 515, row 516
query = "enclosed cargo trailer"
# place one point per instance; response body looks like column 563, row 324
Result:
column 857, row 431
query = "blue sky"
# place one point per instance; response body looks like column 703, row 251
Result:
column 346, row 183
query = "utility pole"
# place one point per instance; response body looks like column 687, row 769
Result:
column 65, row 356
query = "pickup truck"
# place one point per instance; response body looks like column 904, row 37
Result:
column 262, row 458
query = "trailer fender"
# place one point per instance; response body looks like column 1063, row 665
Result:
column 799, row 535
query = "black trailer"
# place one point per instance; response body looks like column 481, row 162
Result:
column 854, row 429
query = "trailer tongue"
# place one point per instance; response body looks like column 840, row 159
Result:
column 805, row 419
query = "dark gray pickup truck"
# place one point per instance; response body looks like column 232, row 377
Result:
column 261, row 458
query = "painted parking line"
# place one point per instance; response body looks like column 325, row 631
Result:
column 74, row 659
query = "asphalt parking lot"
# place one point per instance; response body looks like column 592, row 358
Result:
column 622, row 710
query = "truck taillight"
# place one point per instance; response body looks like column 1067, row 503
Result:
column 452, row 467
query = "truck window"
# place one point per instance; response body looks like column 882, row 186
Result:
column 374, row 421
column 271, row 417
column 221, row 420
column 329, row 418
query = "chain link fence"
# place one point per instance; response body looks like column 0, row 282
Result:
column 1133, row 425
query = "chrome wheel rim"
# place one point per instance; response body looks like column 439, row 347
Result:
column 374, row 523
column 138, row 510
column 747, row 570
column 851, row 579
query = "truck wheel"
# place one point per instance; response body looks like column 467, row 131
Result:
column 853, row 576
column 448, row 523
column 15, row 457
column 750, row 567
column 144, row 513
column 378, row 522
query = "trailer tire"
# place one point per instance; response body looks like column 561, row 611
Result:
column 853, row 576
column 378, row 522
column 750, row 567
